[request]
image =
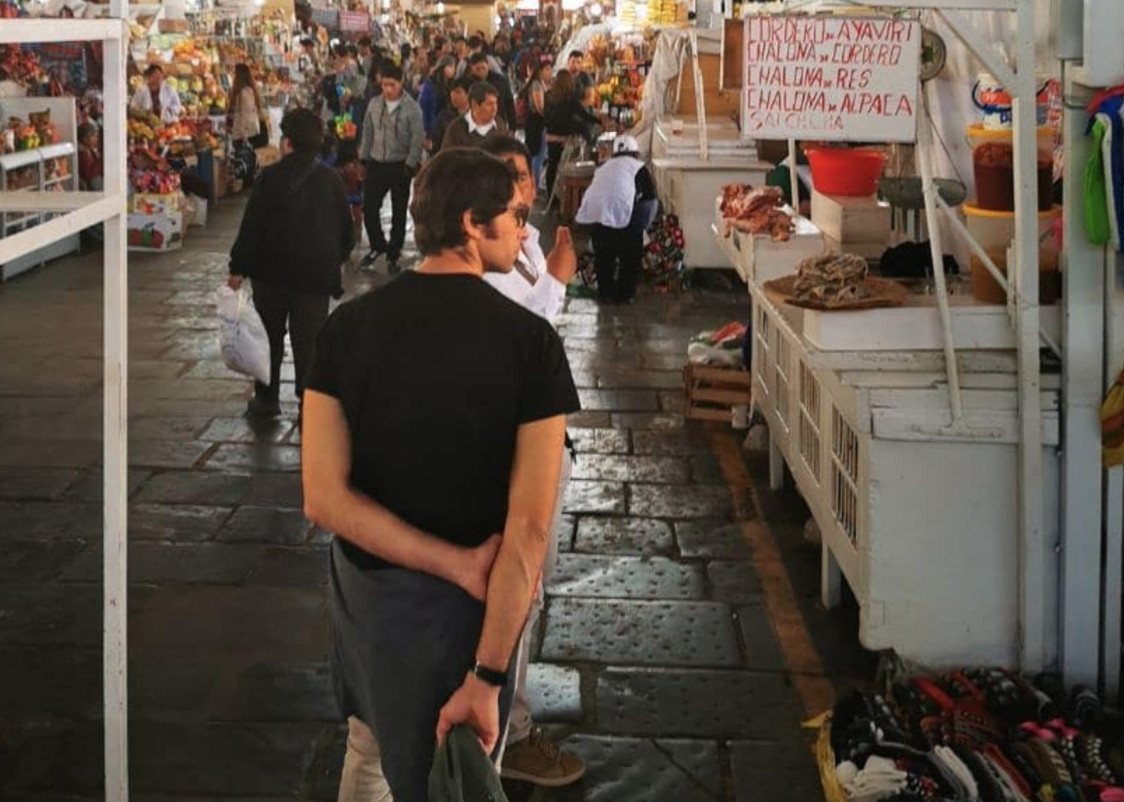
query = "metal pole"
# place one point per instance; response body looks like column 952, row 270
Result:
column 793, row 178
column 115, row 438
column 1033, row 585
column 936, row 248
column 1082, row 377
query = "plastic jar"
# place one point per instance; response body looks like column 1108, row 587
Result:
column 995, row 232
column 993, row 165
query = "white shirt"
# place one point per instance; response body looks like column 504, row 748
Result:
column 482, row 130
column 611, row 194
column 529, row 284
column 170, row 107
column 391, row 105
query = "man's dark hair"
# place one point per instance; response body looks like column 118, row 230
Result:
column 506, row 146
column 152, row 69
column 575, row 54
column 304, row 130
column 479, row 91
column 477, row 58
column 475, row 42
column 455, row 181
column 365, row 41
column 306, row 42
column 390, row 70
column 464, row 82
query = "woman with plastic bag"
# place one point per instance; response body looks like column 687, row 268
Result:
column 295, row 236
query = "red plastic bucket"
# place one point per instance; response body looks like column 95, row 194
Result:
column 852, row 172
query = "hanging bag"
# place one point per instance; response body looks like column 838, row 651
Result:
column 242, row 336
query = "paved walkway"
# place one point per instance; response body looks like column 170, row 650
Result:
column 658, row 661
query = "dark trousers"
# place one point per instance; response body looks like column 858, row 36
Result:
column 553, row 158
column 403, row 642
column 303, row 314
column 617, row 253
column 383, row 177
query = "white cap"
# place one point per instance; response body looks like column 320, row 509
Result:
column 625, row 144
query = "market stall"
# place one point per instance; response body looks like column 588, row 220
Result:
column 39, row 153
column 913, row 415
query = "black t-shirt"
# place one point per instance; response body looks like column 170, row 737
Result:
column 435, row 374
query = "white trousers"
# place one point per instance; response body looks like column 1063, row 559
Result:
column 362, row 779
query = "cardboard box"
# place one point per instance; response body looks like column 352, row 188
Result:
column 155, row 233
column 850, row 220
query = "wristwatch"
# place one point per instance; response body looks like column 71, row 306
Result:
column 489, row 676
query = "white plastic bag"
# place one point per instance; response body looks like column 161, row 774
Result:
column 242, row 337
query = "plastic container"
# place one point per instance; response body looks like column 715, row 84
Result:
column 995, row 231
column 850, row 172
column 993, row 165
column 993, row 99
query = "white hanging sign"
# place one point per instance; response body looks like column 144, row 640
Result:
column 831, row 78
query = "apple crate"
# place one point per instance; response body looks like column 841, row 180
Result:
column 713, row 392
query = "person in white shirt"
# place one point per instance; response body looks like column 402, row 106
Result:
column 538, row 283
column 156, row 97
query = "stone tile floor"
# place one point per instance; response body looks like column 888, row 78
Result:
column 657, row 663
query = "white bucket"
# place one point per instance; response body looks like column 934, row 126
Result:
column 990, row 97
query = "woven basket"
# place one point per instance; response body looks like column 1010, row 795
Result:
column 825, row 759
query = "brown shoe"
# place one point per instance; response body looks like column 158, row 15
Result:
column 539, row 761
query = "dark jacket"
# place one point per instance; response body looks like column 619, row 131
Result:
column 445, row 118
column 297, row 230
column 568, row 117
column 457, row 134
column 507, row 98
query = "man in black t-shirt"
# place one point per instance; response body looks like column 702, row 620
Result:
column 445, row 430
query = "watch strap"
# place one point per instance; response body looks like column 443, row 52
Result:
column 497, row 679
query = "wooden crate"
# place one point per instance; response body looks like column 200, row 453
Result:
column 713, row 392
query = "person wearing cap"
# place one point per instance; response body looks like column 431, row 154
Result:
column 618, row 207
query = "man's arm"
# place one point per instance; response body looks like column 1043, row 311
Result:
column 532, row 495
column 246, row 251
column 343, row 214
column 367, row 141
column 452, row 137
column 331, row 503
column 417, row 138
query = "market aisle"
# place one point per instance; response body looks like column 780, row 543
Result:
column 657, row 662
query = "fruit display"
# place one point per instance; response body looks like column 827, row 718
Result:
column 22, row 67
column 345, row 128
column 667, row 12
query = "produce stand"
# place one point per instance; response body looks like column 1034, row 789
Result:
column 49, row 165
column 936, row 455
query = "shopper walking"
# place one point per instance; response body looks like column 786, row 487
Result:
column 618, row 206
column 457, row 107
column 478, row 68
column 434, row 97
column 480, row 124
column 564, row 116
column 538, row 283
column 295, row 235
column 535, row 128
column 393, row 136
column 417, row 479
